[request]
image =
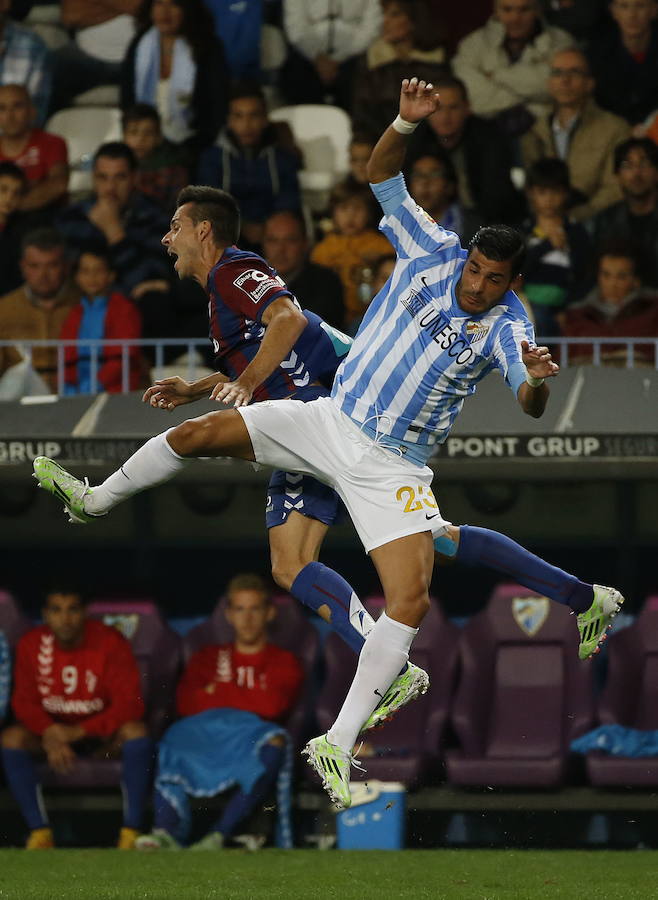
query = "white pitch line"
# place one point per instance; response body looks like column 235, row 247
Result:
column 89, row 418
column 565, row 422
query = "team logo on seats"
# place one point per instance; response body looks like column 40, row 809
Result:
column 530, row 613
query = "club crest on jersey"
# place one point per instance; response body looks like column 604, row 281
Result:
column 255, row 284
column 530, row 613
column 477, row 331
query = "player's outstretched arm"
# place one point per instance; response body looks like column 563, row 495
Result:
column 533, row 394
column 418, row 100
column 168, row 393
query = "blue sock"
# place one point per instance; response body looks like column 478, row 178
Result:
column 167, row 818
column 317, row 585
column 482, row 547
column 241, row 805
column 136, row 772
column 22, row 779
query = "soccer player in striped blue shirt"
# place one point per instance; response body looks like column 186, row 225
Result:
column 444, row 320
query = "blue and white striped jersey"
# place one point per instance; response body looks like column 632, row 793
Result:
column 417, row 354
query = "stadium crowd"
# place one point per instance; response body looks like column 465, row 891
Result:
column 533, row 130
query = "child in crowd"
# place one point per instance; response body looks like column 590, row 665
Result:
column 360, row 150
column 13, row 187
column 163, row 167
column 101, row 314
column 557, row 269
column 352, row 247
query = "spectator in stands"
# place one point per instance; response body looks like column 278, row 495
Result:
column 163, row 167
column 177, row 64
column 75, row 70
column 102, row 313
column 250, row 163
column 238, row 26
column 13, row 186
column 624, row 60
column 42, row 156
column 556, row 271
column 230, row 696
column 325, row 39
column 617, row 307
column 505, row 64
column 581, row 18
column 24, row 60
column 380, row 271
column 479, row 151
column 433, row 185
column 408, row 38
column 351, row 247
column 635, row 218
column 37, row 309
column 579, row 132
column 360, row 150
column 285, row 247
column 76, row 693
column 131, row 225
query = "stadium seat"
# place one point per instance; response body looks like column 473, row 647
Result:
column 406, row 748
column 13, row 622
column 290, row 630
column 84, row 129
column 630, row 698
column 109, row 40
column 523, row 694
column 323, row 135
column 158, row 654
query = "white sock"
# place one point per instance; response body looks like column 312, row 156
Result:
column 152, row 464
column 384, row 653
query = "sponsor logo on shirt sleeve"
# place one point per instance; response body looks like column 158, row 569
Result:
column 256, row 284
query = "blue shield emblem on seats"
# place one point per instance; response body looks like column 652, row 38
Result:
column 530, row 613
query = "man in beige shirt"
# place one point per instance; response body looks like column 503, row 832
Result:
column 578, row 132
column 37, row 309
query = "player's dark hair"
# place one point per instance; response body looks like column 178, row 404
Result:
column 645, row 144
column 549, row 172
column 44, row 238
column 116, row 150
column 67, row 586
column 248, row 90
column 292, row 214
column 139, row 112
column 249, row 581
column 500, row 243
column 11, row 170
column 215, row 206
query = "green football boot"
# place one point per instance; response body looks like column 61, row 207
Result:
column 61, row 484
column 211, row 841
column 413, row 682
column 158, row 839
column 333, row 766
column 594, row 623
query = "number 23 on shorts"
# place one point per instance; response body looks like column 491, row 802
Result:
column 415, row 498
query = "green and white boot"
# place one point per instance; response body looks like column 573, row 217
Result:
column 61, row 484
column 158, row 839
column 595, row 622
column 413, row 682
column 333, row 766
column 212, row 841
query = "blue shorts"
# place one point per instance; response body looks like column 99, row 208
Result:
column 304, row 494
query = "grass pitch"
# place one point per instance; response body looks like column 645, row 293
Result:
column 292, row 874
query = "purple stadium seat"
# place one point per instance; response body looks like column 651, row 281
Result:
column 523, row 694
column 13, row 622
column 406, row 747
column 290, row 630
column 630, row 698
column 158, row 654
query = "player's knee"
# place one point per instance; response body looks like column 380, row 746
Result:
column 410, row 606
column 189, row 438
column 16, row 737
column 131, row 731
column 285, row 570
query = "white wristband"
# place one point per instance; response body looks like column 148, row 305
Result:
column 403, row 127
column 534, row 382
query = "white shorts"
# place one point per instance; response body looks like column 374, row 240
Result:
column 386, row 496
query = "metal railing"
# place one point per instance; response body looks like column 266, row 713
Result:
column 196, row 347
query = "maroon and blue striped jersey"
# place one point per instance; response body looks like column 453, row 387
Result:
column 240, row 288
